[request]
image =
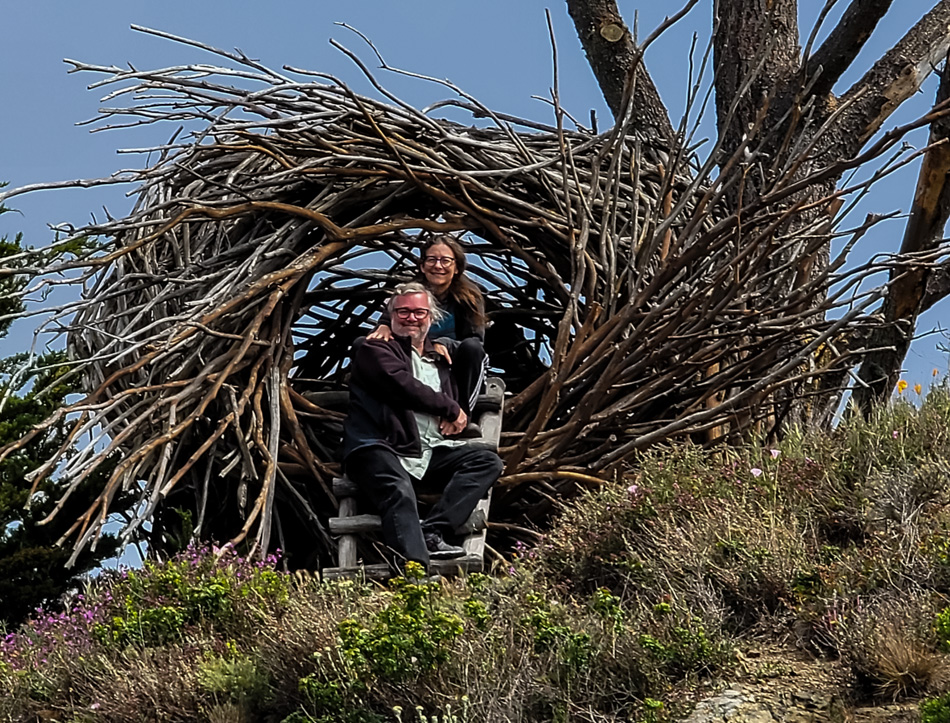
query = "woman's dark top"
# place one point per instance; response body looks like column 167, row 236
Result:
column 455, row 324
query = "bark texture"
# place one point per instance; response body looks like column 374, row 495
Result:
column 612, row 55
column 843, row 44
column 893, row 79
column 756, row 52
column 777, row 114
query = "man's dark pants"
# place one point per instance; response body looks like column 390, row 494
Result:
column 463, row 473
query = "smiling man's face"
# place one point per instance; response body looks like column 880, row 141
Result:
column 412, row 317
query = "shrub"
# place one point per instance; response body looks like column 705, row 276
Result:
column 890, row 647
column 551, row 631
column 153, row 606
column 632, row 596
column 234, row 677
column 136, row 633
column 935, row 710
column 409, row 637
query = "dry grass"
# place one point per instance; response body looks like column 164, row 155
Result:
column 641, row 590
column 890, row 646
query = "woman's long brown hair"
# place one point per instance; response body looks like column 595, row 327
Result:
column 462, row 289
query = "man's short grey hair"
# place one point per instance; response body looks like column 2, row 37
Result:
column 414, row 287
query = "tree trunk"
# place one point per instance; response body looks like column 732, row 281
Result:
column 755, row 43
column 763, row 82
column 908, row 286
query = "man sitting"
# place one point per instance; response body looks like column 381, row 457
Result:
column 403, row 409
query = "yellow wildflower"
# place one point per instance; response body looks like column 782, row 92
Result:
column 917, row 388
column 901, row 386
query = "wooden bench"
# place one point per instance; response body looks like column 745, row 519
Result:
column 350, row 526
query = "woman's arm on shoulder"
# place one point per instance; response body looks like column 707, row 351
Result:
column 381, row 332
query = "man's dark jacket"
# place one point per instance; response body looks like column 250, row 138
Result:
column 384, row 395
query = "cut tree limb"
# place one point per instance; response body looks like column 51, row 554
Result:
column 938, row 287
column 611, row 53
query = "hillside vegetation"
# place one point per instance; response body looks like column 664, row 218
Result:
column 644, row 592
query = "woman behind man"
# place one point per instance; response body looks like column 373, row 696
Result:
column 461, row 330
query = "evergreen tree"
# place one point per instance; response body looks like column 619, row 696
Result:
column 33, row 568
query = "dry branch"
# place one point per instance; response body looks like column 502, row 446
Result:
column 631, row 303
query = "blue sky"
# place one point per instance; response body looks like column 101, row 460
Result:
column 497, row 50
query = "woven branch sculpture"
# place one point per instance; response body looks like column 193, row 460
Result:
column 632, row 300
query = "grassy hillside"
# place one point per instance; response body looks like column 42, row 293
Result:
column 836, row 545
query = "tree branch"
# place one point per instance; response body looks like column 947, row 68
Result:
column 844, row 42
column 895, row 77
column 612, row 53
column 903, row 302
column 938, row 287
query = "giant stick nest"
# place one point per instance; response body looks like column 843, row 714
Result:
column 628, row 302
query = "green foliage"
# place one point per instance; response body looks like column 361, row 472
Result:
column 632, row 598
column 157, row 625
column 608, row 607
column 21, row 259
column 654, row 711
column 409, row 637
column 334, row 701
column 683, row 647
column 153, row 606
column 12, row 285
column 935, row 710
column 942, row 628
column 552, row 632
column 478, row 613
column 235, row 677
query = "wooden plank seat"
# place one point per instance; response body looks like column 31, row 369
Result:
column 351, row 527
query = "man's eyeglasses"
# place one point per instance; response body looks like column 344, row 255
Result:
column 404, row 312
column 438, row 261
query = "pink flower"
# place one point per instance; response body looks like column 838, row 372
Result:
column 632, row 490
column 775, row 453
column 756, row 472
column 895, row 434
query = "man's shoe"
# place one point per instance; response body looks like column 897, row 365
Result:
column 439, row 549
column 471, row 431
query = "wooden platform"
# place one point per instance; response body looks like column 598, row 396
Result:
column 351, row 527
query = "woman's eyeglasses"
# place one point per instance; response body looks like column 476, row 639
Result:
column 438, row 261
column 404, row 312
